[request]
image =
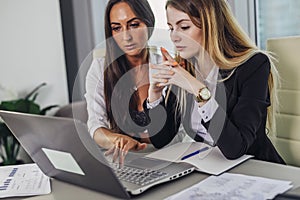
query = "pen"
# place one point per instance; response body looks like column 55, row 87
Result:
column 195, row 153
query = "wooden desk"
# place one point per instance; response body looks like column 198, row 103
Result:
column 64, row 191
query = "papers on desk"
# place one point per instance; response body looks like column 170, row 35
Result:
column 234, row 186
column 23, row 180
column 210, row 161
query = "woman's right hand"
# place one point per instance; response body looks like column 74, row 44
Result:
column 155, row 91
column 121, row 145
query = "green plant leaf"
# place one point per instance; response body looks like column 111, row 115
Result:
column 8, row 105
column 34, row 90
column 4, row 131
column 22, row 105
column 16, row 150
column 10, row 145
column 33, row 108
column 44, row 110
column 34, row 96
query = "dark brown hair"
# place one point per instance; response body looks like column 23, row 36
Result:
column 115, row 60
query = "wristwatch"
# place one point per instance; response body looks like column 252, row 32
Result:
column 203, row 95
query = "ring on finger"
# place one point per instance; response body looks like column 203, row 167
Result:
column 170, row 67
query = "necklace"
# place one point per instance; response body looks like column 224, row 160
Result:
column 141, row 80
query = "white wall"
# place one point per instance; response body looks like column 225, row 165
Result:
column 31, row 49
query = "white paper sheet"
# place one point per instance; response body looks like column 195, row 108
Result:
column 23, row 180
column 211, row 161
column 234, row 186
column 175, row 152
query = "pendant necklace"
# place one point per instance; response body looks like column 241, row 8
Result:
column 137, row 84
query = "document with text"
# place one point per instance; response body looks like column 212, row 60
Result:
column 205, row 158
column 234, row 186
column 23, row 180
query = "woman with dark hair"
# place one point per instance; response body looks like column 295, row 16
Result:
column 223, row 85
column 117, row 85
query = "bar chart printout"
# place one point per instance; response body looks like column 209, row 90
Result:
column 23, row 180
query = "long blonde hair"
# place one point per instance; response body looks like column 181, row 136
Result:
column 224, row 41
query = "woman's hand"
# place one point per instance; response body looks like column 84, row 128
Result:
column 170, row 72
column 121, row 145
column 155, row 90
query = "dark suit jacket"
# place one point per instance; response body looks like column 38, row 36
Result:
column 238, row 125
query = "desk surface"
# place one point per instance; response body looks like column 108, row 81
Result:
column 62, row 190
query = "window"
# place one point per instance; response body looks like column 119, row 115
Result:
column 160, row 36
column 277, row 18
column 244, row 12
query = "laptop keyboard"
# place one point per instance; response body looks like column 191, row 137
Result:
column 138, row 176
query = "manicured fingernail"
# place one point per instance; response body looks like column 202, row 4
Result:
column 174, row 63
column 163, row 49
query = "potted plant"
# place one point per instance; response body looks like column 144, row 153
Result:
column 9, row 146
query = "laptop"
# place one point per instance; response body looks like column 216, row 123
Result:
column 63, row 149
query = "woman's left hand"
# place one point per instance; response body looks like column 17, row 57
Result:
column 180, row 77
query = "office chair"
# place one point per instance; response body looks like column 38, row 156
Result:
column 76, row 110
column 287, row 136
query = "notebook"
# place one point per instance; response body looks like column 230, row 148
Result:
column 209, row 160
column 63, row 149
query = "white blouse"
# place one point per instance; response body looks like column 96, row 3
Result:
column 94, row 96
column 96, row 106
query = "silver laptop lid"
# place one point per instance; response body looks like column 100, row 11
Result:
column 50, row 140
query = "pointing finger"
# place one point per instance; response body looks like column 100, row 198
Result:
column 166, row 55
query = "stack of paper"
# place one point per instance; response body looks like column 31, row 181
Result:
column 234, row 186
column 23, row 180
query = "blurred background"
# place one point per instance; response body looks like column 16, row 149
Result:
column 48, row 40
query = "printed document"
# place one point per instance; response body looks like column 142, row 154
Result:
column 23, row 180
column 210, row 161
column 234, row 186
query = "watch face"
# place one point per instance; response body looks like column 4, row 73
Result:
column 205, row 94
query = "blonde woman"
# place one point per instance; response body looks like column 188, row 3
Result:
column 221, row 86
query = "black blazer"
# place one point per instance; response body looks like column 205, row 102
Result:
column 238, row 125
